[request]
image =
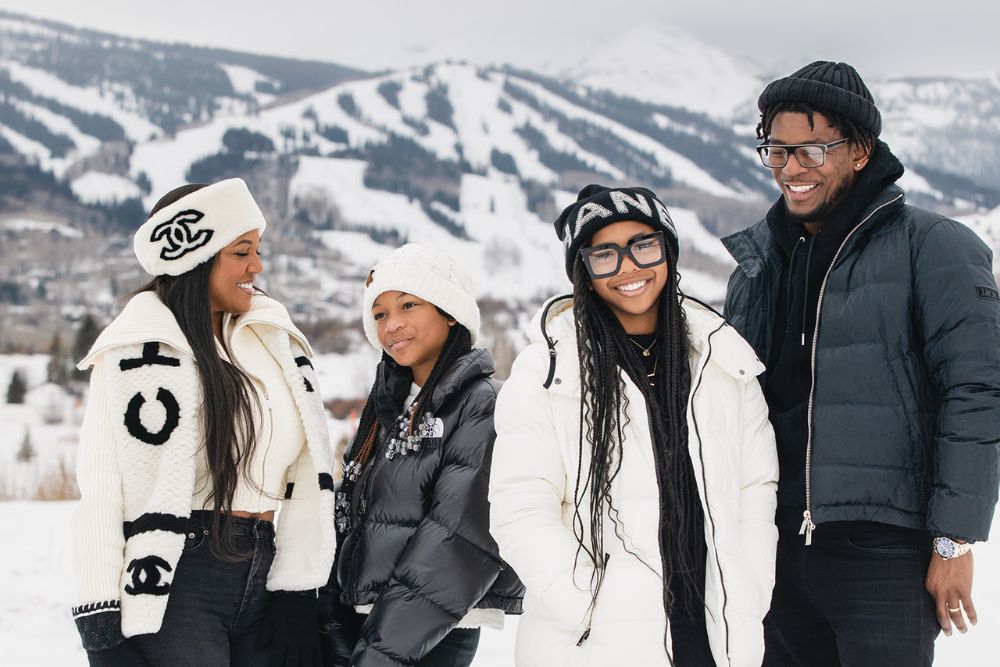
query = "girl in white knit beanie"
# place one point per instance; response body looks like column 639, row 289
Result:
column 204, row 415
column 417, row 573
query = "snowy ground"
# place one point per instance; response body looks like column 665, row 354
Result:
column 37, row 584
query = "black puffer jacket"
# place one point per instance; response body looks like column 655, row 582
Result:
column 419, row 546
column 905, row 368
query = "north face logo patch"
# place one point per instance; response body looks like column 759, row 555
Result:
column 987, row 292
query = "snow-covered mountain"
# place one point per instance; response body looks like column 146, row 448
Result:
column 669, row 67
column 477, row 159
column 949, row 126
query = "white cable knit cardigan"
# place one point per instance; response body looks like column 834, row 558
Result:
column 136, row 468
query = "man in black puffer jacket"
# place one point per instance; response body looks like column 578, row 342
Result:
column 879, row 324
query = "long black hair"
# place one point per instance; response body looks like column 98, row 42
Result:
column 458, row 343
column 604, row 348
column 229, row 400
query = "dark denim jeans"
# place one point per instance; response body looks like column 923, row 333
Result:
column 457, row 649
column 215, row 606
column 855, row 597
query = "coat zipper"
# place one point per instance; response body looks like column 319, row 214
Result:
column 590, row 614
column 704, row 482
column 808, row 526
column 361, row 512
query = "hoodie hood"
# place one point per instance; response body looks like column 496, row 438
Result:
column 883, row 170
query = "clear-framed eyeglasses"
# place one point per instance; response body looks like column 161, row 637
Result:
column 605, row 260
column 810, row 156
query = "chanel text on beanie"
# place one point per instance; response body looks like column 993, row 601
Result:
column 182, row 235
column 425, row 273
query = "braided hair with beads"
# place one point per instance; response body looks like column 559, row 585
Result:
column 604, row 348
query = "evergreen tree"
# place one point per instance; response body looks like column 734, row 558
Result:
column 85, row 337
column 59, row 368
column 27, row 451
column 17, row 388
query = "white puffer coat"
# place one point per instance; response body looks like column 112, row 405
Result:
column 534, row 475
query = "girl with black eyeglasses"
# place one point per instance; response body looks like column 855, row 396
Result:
column 634, row 475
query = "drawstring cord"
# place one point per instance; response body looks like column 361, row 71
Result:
column 788, row 288
column 805, row 295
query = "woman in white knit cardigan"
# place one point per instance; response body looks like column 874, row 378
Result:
column 203, row 416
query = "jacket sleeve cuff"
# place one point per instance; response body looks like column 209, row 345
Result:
column 99, row 624
column 307, row 593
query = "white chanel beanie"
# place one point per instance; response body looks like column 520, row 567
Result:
column 179, row 237
column 425, row 273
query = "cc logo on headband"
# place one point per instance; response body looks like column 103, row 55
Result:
column 180, row 239
column 146, row 576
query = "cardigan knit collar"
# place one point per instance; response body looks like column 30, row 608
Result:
column 146, row 319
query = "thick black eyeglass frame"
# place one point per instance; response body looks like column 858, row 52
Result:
column 792, row 149
column 621, row 254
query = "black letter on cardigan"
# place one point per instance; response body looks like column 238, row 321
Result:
column 146, row 576
column 134, row 424
column 304, row 361
column 150, row 357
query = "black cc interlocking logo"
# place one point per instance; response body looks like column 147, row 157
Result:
column 180, row 238
column 146, row 576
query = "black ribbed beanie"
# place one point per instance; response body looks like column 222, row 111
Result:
column 825, row 85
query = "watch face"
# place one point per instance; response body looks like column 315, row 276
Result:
column 944, row 547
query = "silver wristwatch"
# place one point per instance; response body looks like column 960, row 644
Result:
column 948, row 548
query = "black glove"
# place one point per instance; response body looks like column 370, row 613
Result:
column 291, row 629
column 123, row 655
column 340, row 628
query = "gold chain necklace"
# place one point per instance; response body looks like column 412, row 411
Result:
column 646, row 351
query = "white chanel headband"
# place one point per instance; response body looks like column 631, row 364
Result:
column 194, row 228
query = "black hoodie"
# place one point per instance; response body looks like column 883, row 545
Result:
column 806, row 260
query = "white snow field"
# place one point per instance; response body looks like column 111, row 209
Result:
column 37, row 584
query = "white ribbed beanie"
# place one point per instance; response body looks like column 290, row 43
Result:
column 425, row 273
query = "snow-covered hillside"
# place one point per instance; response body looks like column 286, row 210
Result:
column 484, row 118
column 951, row 125
column 670, row 67
column 475, row 158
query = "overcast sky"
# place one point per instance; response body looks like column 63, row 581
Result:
column 888, row 38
